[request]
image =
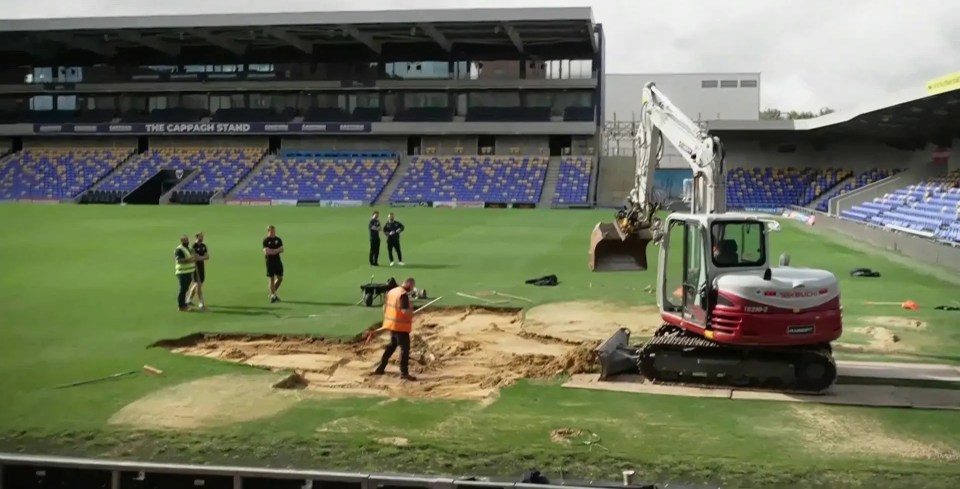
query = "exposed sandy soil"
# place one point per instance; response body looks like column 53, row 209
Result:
column 207, row 402
column 902, row 323
column 457, row 353
column 394, row 440
column 590, row 321
column 823, row 430
column 883, row 333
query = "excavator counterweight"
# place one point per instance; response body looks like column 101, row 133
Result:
column 612, row 251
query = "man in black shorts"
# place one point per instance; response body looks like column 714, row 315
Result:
column 200, row 252
column 272, row 248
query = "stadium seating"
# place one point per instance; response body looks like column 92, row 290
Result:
column 57, row 173
column 573, row 184
column 777, row 187
column 931, row 208
column 863, row 179
column 220, row 168
column 503, row 179
column 323, row 176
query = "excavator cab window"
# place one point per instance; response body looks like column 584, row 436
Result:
column 739, row 244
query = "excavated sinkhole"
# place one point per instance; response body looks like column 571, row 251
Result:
column 456, row 353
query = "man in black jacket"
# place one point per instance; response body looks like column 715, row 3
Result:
column 392, row 229
column 374, row 228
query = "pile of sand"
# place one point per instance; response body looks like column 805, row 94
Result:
column 881, row 334
column 457, row 353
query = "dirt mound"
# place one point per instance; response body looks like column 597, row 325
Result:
column 894, row 322
column 590, row 320
column 457, row 353
column 882, row 340
column 564, row 435
column 295, row 380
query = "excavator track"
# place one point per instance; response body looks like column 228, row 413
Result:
column 675, row 356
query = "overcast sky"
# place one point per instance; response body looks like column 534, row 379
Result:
column 811, row 53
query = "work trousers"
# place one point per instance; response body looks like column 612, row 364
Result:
column 374, row 251
column 185, row 279
column 393, row 244
column 403, row 341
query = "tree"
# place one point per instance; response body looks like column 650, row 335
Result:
column 771, row 114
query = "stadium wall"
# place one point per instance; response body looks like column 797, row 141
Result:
column 79, row 142
column 693, row 93
column 914, row 247
column 208, row 142
column 348, row 143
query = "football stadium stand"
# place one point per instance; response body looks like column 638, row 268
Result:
column 573, row 185
column 931, row 208
column 502, row 179
column 57, row 173
column 778, row 187
column 861, row 180
column 322, row 176
column 220, row 168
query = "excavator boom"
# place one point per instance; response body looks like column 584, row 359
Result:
column 622, row 244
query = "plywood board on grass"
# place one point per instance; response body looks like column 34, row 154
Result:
column 840, row 394
column 635, row 384
column 900, row 371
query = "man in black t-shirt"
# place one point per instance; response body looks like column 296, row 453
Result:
column 201, row 254
column 374, row 228
column 272, row 248
column 392, row 229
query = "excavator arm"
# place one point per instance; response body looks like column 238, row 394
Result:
column 621, row 245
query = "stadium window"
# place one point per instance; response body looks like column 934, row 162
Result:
column 748, row 83
column 260, row 100
column 67, row 102
column 728, row 83
column 425, row 99
column 708, row 84
column 41, row 102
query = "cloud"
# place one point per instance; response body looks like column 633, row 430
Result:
column 811, row 53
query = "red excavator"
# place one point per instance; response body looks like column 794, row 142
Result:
column 730, row 318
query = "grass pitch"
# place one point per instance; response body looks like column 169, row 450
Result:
column 86, row 289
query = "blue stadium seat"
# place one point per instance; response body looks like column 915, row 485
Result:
column 573, row 184
column 504, row 179
column 57, row 173
column 863, row 179
column 323, row 176
column 220, row 168
column 931, row 207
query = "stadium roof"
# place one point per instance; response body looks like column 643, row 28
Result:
column 910, row 118
column 491, row 34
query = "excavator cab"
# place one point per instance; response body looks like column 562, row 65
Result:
column 611, row 251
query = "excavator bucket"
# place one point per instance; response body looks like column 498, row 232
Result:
column 616, row 356
column 610, row 252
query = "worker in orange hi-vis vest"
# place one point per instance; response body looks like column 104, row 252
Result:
column 398, row 320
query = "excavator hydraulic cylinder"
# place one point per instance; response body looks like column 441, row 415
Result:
column 611, row 252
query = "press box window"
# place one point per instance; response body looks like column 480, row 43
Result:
column 708, row 84
column 748, row 83
column 728, row 84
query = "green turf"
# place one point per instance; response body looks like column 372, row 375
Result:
column 85, row 289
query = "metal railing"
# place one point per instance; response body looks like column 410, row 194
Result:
column 17, row 471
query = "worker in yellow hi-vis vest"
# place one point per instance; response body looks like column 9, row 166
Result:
column 398, row 320
column 185, row 268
